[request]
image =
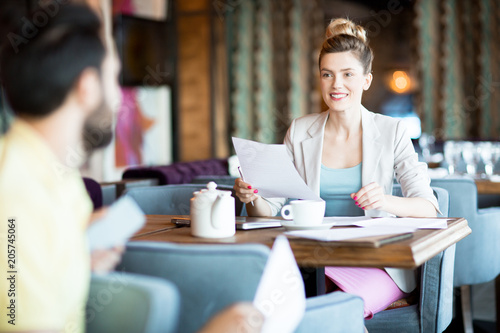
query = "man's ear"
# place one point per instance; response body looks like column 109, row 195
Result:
column 88, row 89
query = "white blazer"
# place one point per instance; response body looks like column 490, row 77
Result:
column 387, row 153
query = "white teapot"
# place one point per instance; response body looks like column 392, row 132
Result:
column 212, row 213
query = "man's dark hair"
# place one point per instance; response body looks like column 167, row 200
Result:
column 40, row 63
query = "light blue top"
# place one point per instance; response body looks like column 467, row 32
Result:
column 336, row 186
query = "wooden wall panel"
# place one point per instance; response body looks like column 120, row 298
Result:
column 191, row 6
column 220, row 91
column 194, row 114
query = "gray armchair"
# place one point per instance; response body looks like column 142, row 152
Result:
column 434, row 310
column 131, row 303
column 172, row 199
column 477, row 259
column 211, row 277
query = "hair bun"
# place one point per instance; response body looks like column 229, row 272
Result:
column 347, row 27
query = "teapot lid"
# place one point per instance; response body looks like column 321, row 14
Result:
column 210, row 190
column 211, row 186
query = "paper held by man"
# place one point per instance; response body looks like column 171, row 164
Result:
column 280, row 295
column 269, row 168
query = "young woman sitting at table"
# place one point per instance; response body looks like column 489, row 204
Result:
column 350, row 156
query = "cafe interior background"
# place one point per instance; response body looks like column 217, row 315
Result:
column 195, row 73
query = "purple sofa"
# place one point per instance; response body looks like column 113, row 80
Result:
column 94, row 190
column 179, row 172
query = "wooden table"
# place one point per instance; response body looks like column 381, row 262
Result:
column 409, row 253
column 485, row 186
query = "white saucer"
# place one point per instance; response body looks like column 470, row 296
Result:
column 289, row 225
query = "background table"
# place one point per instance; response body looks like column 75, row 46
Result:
column 485, row 186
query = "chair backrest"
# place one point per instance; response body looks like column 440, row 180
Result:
column 441, row 195
column 208, row 277
column 463, row 196
column 131, row 303
column 436, row 277
column 473, row 261
column 108, row 193
column 172, row 199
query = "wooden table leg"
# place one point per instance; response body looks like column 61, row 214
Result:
column 320, row 281
column 314, row 280
column 465, row 295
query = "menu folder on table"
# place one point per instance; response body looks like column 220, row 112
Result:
column 250, row 223
column 366, row 241
column 375, row 241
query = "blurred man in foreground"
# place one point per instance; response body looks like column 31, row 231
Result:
column 60, row 83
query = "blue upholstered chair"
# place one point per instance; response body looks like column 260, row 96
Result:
column 131, row 303
column 212, row 277
column 434, row 310
column 108, row 193
column 172, row 199
column 476, row 259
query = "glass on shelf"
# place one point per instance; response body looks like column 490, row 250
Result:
column 452, row 155
column 486, row 152
column 495, row 156
column 472, row 157
column 426, row 143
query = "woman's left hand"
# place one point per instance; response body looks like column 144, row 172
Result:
column 371, row 196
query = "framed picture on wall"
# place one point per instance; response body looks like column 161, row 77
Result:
column 143, row 127
column 146, row 51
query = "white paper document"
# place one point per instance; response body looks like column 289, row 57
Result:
column 123, row 219
column 269, row 169
column 332, row 235
column 345, row 220
column 280, row 295
column 417, row 223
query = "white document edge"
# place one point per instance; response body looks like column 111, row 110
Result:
column 280, row 295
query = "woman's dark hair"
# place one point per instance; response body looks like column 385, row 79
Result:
column 343, row 35
column 43, row 56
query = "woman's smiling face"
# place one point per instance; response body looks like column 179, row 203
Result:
column 343, row 81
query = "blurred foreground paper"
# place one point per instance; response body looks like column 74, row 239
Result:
column 123, row 219
column 280, row 295
column 269, row 168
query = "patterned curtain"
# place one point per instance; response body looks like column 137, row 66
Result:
column 273, row 48
column 459, row 68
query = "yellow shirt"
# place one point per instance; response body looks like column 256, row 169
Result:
column 48, row 252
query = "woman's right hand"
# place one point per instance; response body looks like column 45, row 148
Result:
column 244, row 191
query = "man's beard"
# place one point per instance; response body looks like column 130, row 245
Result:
column 98, row 129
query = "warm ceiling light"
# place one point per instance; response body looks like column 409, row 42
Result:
column 400, row 82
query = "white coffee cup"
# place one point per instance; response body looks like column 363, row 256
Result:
column 304, row 212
